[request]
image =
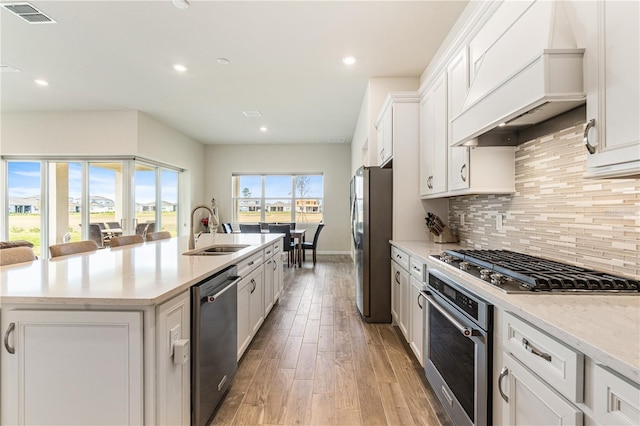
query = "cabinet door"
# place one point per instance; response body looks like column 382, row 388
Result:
column 532, row 401
column 416, row 303
column 617, row 400
column 614, row 90
column 405, row 314
column 244, row 330
column 277, row 277
column 395, row 291
column 173, row 319
column 457, row 87
column 256, row 300
column 433, row 139
column 72, row 367
column 269, row 290
column 385, row 137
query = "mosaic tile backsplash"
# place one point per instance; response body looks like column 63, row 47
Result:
column 555, row 212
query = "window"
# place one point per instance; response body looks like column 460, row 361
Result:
column 277, row 198
column 49, row 201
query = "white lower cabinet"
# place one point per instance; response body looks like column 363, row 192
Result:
column 530, row 401
column 616, row 399
column 250, row 307
column 400, row 297
column 416, row 329
column 72, row 367
column 272, row 277
column 173, row 400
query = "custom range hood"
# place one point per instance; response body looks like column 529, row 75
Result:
column 522, row 74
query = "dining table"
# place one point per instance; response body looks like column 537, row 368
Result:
column 296, row 235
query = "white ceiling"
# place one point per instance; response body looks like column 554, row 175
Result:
column 285, row 61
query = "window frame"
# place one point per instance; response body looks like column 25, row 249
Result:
column 235, row 198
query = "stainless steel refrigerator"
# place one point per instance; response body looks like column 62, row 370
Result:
column 371, row 209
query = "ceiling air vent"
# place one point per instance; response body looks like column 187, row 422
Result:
column 28, row 13
column 336, row 140
column 8, row 68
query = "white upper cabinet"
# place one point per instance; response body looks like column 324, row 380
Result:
column 458, row 79
column 612, row 136
column 433, row 139
column 385, row 135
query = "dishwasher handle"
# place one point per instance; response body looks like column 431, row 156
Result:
column 210, row 298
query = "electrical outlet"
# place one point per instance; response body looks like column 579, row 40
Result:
column 499, row 222
column 461, row 219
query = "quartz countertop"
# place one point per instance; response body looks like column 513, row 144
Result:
column 605, row 328
column 135, row 275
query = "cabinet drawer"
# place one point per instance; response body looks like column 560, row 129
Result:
column 249, row 264
column 269, row 251
column 616, row 399
column 559, row 365
column 418, row 269
column 400, row 257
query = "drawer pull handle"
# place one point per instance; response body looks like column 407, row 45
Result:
column 250, row 263
column 528, row 346
column 503, row 374
column 11, row 327
column 254, row 285
column 462, row 174
column 419, row 295
column 397, row 275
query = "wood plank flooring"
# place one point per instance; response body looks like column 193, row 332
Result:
column 315, row 362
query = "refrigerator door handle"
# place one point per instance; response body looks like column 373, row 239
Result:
column 354, row 221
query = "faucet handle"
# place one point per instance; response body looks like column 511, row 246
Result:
column 195, row 239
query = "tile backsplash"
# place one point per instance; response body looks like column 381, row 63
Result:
column 555, row 212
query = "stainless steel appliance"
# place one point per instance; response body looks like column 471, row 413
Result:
column 514, row 272
column 371, row 210
column 214, row 326
column 458, row 347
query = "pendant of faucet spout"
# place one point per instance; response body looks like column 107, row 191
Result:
column 192, row 241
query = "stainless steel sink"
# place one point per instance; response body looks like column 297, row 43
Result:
column 215, row 250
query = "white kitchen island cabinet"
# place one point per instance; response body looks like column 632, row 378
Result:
column 70, row 367
column 104, row 337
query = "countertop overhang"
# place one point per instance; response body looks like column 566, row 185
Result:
column 606, row 328
column 136, row 275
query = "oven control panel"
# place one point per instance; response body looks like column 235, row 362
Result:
column 459, row 299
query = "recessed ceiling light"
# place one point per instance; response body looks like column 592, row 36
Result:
column 180, row 4
column 263, row 129
column 223, row 61
column 179, row 67
column 502, row 124
column 349, row 60
column 251, row 114
column 40, row 82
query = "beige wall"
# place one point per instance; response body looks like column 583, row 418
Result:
column 333, row 160
column 69, row 133
column 556, row 213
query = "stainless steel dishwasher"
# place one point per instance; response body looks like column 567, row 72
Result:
column 214, row 319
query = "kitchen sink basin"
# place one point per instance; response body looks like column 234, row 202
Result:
column 217, row 249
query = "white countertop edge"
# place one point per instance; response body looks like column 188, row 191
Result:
column 623, row 360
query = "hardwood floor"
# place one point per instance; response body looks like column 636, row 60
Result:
column 315, row 362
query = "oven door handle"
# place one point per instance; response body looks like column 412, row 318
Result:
column 466, row 331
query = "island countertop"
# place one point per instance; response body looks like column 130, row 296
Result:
column 135, row 275
column 604, row 327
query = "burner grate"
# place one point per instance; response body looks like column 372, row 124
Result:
column 543, row 274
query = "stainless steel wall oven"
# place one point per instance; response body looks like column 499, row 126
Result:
column 458, row 349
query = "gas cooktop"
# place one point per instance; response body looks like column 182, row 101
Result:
column 515, row 272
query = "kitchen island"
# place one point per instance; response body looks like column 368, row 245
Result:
column 602, row 329
column 89, row 338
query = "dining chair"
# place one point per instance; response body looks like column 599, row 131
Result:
column 264, row 226
column 125, row 240
column 287, row 243
column 13, row 255
column 250, row 229
column 95, row 234
column 114, row 225
column 141, row 228
column 312, row 245
column 160, row 235
column 151, row 227
column 76, row 247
